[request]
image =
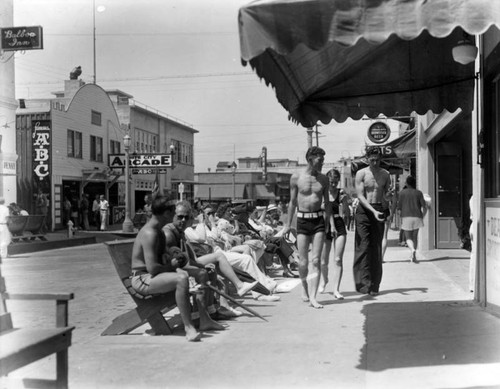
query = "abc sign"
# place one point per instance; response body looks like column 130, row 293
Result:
column 379, row 132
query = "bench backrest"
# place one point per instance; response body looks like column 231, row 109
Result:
column 34, row 223
column 121, row 255
column 5, row 318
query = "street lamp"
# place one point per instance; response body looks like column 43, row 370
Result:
column 233, row 169
column 127, row 226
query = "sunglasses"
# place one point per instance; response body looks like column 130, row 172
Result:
column 210, row 213
column 182, row 217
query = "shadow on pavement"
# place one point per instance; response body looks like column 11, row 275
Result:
column 365, row 297
column 399, row 335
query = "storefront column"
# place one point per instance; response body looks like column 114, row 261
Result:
column 425, row 182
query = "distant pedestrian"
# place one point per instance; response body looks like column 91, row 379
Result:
column 42, row 208
column 96, row 212
column 412, row 206
column 5, row 236
column 148, row 201
column 84, row 210
column 104, row 209
column 66, row 210
column 75, row 212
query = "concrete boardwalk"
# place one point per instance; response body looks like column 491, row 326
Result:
column 422, row 331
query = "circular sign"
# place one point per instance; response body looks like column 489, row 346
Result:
column 379, row 132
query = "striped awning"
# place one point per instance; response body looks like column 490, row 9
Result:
column 335, row 59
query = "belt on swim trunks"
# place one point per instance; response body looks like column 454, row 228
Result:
column 336, row 215
column 138, row 272
column 309, row 215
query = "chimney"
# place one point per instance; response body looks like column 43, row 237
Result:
column 71, row 87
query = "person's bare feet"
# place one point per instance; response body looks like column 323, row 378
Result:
column 211, row 325
column 192, row 335
column 321, row 288
column 338, row 295
column 315, row 304
column 305, row 296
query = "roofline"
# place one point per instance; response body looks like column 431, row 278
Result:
column 119, row 92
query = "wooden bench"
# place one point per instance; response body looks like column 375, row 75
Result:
column 22, row 346
column 26, row 227
column 148, row 310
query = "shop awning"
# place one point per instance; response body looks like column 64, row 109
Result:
column 262, row 192
column 335, row 59
column 396, row 155
column 402, row 147
column 220, row 192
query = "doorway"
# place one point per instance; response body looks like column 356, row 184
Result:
column 449, row 195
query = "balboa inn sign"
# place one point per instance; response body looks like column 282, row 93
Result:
column 141, row 163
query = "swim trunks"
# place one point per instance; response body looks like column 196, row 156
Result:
column 339, row 226
column 310, row 226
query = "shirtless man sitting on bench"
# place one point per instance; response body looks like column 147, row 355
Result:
column 154, row 271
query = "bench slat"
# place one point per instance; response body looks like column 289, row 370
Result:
column 21, row 347
column 39, row 296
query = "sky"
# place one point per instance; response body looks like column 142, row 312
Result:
column 180, row 57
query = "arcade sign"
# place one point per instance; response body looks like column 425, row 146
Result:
column 21, row 38
column 141, row 163
column 379, row 132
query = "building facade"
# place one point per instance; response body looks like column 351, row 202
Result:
column 64, row 143
column 153, row 131
column 8, row 105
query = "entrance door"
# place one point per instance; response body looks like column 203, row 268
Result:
column 449, row 188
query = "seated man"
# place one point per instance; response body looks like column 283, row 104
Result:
column 174, row 233
column 151, row 276
column 239, row 260
column 274, row 245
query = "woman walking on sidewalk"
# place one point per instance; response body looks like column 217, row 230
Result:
column 413, row 208
column 336, row 236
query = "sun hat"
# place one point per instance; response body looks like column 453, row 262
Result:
column 272, row 207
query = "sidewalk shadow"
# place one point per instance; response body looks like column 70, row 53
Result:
column 393, row 243
column 399, row 335
column 364, row 297
column 445, row 258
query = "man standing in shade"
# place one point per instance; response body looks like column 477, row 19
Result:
column 96, row 212
column 308, row 191
column 372, row 186
column 104, row 209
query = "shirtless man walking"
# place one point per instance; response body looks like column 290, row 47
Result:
column 308, row 191
column 372, row 187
